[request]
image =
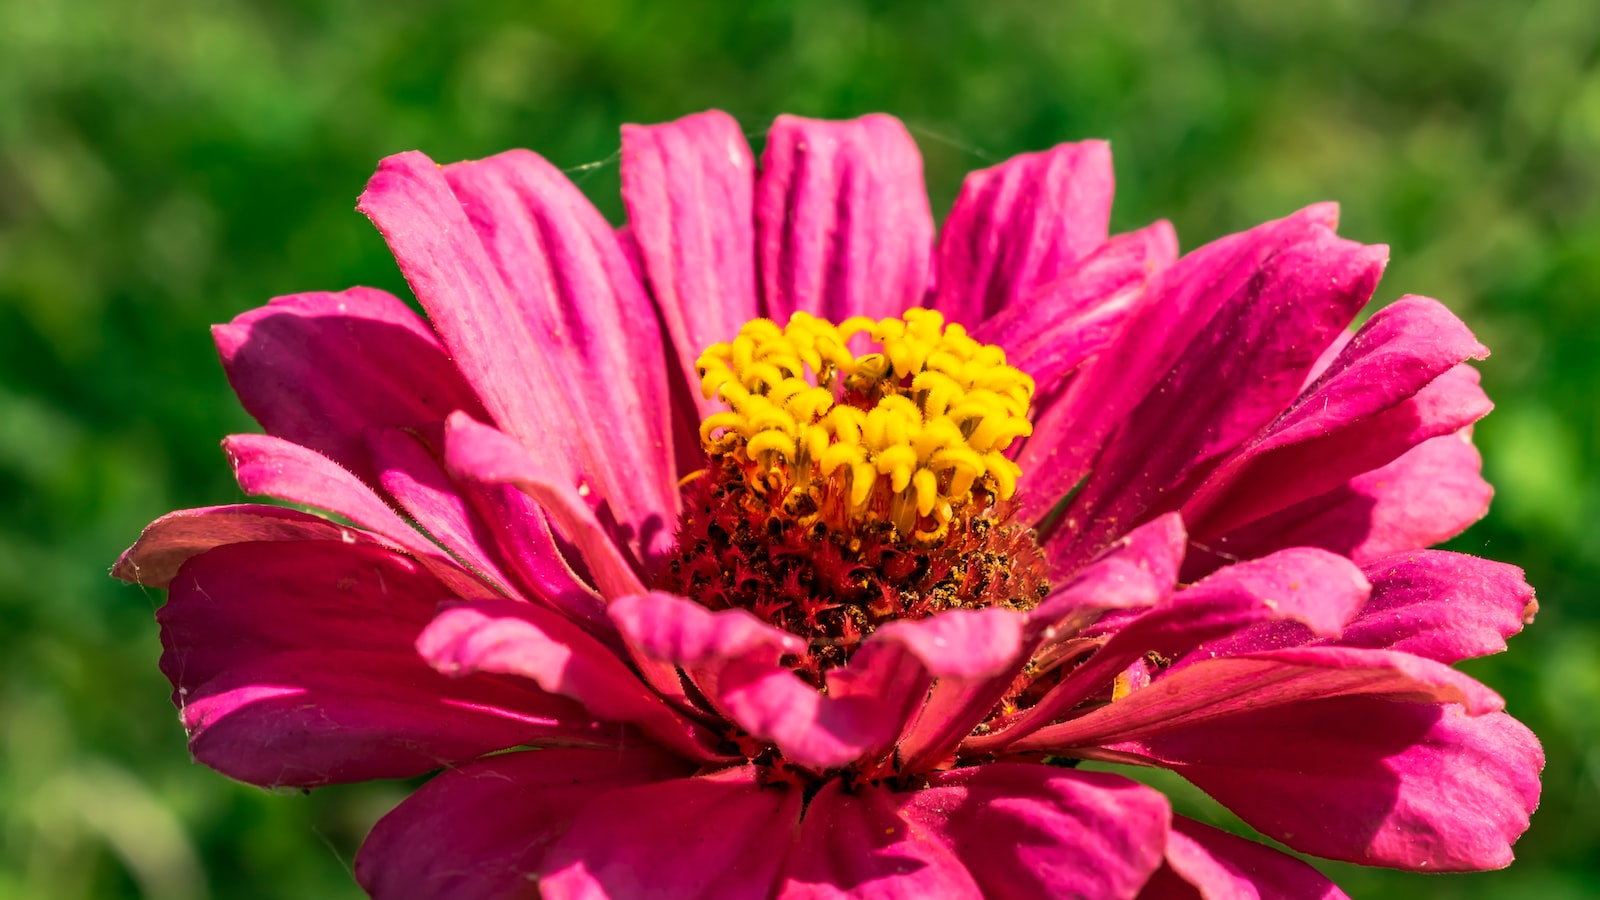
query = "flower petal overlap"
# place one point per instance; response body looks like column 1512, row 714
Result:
column 1214, row 561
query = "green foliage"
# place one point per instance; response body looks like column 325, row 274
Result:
column 166, row 165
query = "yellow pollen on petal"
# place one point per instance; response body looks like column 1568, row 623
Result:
column 911, row 432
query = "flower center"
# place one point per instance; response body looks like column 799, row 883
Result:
column 843, row 491
column 905, row 435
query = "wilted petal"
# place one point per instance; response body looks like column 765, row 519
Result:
column 480, row 831
column 842, row 221
column 714, row 836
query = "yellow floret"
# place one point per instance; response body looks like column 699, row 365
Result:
column 909, row 433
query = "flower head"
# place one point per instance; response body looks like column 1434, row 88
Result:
column 769, row 546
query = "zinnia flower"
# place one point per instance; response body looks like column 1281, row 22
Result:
column 771, row 546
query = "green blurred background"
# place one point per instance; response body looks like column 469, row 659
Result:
column 166, row 165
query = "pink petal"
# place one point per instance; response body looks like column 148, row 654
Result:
column 1139, row 570
column 1222, row 688
column 319, row 369
column 1309, row 586
column 1441, row 606
column 1072, row 430
column 1367, row 780
column 1397, row 384
column 972, row 657
column 1078, row 314
column 1430, row 494
column 1019, row 225
column 688, row 186
column 1026, row 831
column 495, row 529
column 857, row 845
column 292, row 663
column 842, row 221
column 673, row 629
column 1203, row 862
column 505, row 637
column 1235, row 376
column 273, row 467
column 590, row 315
column 664, row 632
column 482, row 830
column 503, row 335
column 170, row 541
column 479, row 453
column 714, row 836
column 409, row 472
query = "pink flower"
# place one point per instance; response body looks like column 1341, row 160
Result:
column 852, row 634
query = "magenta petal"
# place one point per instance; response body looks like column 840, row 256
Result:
column 689, row 187
column 1066, row 321
column 505, row 637
column 480, row 831
column 170, row 541
column 1303, row 585
column 714, row 836
column 1396, row 384
column 1442, row 606
column 504, row 335
column 842, row 221
column 733, row 658
column 292, row 663
column 1367, row 780
column 1228, row 686
column 590, row 316
column 319, row 369
column 682, row 632
column 664, row 632
column 857, row 844
column 1027, row 831
column 411, row 474
column 1429, row 495
column 871, row 700
column 1072, row 430
column 1139, row 570
column 1203, row 862
column 1019, row 225
column 273, row 467
column 971, row 657
column 477, row 452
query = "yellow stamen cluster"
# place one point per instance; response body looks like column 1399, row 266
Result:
column 904, row 435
